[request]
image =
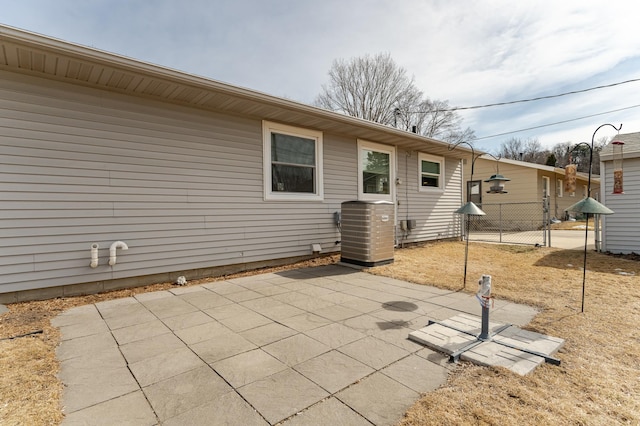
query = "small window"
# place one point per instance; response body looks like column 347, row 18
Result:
column 292, row 162
column 585, row 191
column 430, row 170
column 559, row 188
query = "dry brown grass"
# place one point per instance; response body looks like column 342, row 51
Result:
column 598, row 382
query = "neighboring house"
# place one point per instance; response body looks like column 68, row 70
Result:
column 194, row 176
column 621, row 230
column 529, row 183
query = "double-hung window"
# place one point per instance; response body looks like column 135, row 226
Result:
column 430, row 170
column 292, row 161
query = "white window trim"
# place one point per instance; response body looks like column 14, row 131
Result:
column 559, row 188
column 433, row 159
column 267, row 128
column 391, row 150
column 546, row 186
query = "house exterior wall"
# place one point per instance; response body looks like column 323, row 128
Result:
column 526, row 186
column 183, row 188
column 621, row 230
column 433, row 210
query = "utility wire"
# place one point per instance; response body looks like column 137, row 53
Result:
column 545, row 97
column 529, row 99
column 556, row 123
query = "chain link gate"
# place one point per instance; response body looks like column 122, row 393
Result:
column 513, row 223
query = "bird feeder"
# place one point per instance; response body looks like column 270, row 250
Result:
column 497, row 184
column 617, row 167
column 570, row 178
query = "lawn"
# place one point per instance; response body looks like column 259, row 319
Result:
column 598, row 381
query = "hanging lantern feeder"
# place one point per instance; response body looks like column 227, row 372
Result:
column 497, row 184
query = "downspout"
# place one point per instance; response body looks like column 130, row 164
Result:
column 112, row 251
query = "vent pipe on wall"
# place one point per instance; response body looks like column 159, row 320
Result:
column 112, row 251
column 94, row 255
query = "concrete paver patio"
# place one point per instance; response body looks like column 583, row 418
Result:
column 324, row 345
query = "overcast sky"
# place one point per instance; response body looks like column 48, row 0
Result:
column 466, row 52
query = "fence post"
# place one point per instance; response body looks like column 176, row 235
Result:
column 500, row 220
column 546, row 222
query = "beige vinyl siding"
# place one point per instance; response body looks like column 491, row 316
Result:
column 433, row 210
column 621, row 230
column 183, row 188
column 524, row 185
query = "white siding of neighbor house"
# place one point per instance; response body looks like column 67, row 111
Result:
column 182, row 187
column 621, row 230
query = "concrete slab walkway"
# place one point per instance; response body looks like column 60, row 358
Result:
column 572, row 239
column 325, row 345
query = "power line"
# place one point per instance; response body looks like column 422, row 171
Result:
column 519, row 101
column 556, row 123
column 543, row 97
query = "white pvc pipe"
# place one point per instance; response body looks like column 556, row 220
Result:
column 112, row 251
column 94, row 255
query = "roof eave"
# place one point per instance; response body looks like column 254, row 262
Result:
column 204, row 93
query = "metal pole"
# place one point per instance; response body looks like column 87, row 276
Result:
column 586, row 231
column 596, row 232
column 584, row 266
column 484, row 297
column 548, row 208
column 500, row 220
column 484, row 333
column 466, row 255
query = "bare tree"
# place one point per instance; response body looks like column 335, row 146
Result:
column 578, row 154
column 366, row 87
column 434, row 118
column 376, row 89
column 561, row 152
column 512, row 149
column 529, row 150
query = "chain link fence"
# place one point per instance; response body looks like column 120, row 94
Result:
column 513, row 223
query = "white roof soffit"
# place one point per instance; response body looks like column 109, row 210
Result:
column 33, row 54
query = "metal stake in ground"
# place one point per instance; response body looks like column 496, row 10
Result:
column 485, row 299
column 589, row 205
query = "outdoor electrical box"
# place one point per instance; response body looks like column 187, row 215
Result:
column 407, row 225
column 367, row 232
